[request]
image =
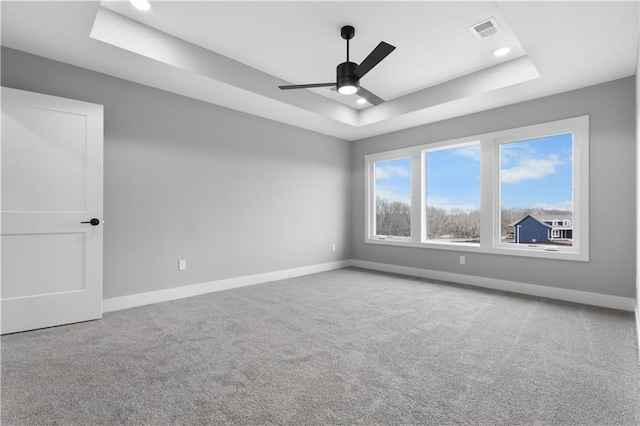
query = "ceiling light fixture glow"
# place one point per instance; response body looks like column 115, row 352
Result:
column 141, row 4
column 361, row 101
column 347, row 89
column 502, row 51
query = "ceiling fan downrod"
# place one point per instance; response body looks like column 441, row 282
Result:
column 346, row 82
column 347, row 32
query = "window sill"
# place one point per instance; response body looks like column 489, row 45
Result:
column 535, row 252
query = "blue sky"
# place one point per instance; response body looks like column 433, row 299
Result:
column 534, row 173
column 393, row 180
column 537, row 173
column 453, row 178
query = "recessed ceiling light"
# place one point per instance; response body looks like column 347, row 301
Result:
column 141, row 4
column 361, row 101
column 502, row 51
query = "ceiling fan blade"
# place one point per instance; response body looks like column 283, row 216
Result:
column 370, row 97
column 381, row 51
column 306, row 86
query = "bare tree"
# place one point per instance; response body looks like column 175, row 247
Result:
column 453, row 224
column 393, row 218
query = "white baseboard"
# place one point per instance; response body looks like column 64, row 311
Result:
column 638, row 314
column 141, row 299
column 596, row 299
column 638, row 325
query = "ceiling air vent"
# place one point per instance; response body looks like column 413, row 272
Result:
column 486, row 28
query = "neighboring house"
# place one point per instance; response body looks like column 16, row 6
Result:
column 531, row 229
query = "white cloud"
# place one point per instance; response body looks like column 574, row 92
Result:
column 388, row 194
column 448, row 204
column 531, row 168
column 562, row 205
column 390, row 172
column 513, row 153
column 472, row 152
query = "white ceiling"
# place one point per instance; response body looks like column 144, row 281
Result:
column 235, row 53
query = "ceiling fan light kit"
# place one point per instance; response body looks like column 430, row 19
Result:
column 348, row 74
column 346, row 83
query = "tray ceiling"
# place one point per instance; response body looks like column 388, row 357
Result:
column 235, row 53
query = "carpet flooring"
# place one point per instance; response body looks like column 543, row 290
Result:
column 342, row 347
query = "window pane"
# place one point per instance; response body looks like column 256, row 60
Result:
column 393, row 197
column 453, row 195
column 536, row 191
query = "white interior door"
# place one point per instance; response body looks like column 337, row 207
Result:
column 51, row 180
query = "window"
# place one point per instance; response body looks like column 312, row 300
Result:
column 518, row 192
column 393, row 198
column 452, row 213
column 536, row 189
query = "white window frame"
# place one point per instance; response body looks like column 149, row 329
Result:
column 489, row 192
column 443, row 146
column 371, row 194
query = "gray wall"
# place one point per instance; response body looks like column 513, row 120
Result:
column 637, row 176
column 611, row 268
column 236, row 195
column 231, row 193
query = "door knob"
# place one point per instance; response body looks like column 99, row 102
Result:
column 95, row 221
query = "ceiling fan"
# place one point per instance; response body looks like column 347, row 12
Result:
column 348, row 74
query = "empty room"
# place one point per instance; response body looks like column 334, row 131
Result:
column 319, row 212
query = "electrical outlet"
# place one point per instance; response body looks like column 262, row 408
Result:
column 462, row 260
column 333, row 247
column 182, row 265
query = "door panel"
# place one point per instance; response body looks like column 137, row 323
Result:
column 35, row 264
column 52, row 151
column 42, row 142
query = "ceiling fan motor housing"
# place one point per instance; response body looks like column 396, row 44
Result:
column 345, row 75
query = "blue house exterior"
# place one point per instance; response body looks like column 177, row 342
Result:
column 530, row 230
